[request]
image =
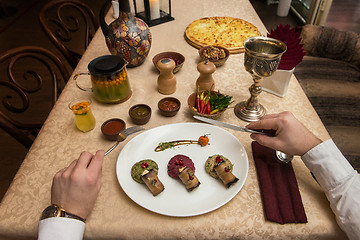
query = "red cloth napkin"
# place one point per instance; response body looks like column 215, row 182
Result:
column 278, row 186
column 295, row 52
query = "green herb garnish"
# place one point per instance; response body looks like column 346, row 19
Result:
column 219, row 101
column 165, row 145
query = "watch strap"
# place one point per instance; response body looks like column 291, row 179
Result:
column 56, row 211
column 70, row 215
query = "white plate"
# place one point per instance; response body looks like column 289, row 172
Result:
column 175, row 200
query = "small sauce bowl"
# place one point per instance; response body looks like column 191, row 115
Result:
column 169, row 106
column 112, row 127
column 205, row 53
column 140, row 114
column 178, row 58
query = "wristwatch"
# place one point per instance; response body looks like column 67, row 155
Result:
column 56, row 211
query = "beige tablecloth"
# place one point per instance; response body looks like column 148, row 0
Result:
column 115, row 215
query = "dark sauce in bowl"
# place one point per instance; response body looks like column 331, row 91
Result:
column 140, row 114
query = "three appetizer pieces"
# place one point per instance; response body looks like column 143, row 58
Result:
column 182, row 168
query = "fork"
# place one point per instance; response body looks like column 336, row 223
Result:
column 123, row 135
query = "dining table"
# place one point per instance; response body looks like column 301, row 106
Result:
column 117, row 214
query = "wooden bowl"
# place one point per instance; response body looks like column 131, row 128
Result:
column 169, row 112
column 217, row 62
column 112, row 127
column 191, row 104
column 140, row 114
column 178, row 58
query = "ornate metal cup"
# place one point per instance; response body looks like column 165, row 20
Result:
column 262, row 57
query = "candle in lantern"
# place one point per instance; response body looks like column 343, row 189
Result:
column 154, row 9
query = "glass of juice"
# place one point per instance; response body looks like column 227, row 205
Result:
column 84, row 119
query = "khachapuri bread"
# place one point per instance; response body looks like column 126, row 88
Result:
column 227, row 32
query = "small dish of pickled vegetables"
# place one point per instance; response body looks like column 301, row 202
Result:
column 209, row 103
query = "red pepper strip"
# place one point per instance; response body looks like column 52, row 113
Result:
column 198, row 103
column 202, row 106
column 208, row 108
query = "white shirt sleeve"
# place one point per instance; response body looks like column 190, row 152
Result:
column 340, row 182
column 60, row 228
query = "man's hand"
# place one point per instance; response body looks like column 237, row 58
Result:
column 292, row 137
column 76, row 187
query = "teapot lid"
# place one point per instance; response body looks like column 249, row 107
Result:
column 107, row 65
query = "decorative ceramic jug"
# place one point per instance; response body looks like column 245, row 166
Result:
column 127, row 36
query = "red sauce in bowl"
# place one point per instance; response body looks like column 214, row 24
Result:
column 113, row 127
column 169, row 105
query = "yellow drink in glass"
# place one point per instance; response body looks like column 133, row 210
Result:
column 84, row 119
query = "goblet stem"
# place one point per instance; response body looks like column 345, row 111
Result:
column 255, row 91
column 251, row 110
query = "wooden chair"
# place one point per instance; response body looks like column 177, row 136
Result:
column 31, row 79
column 70, row 25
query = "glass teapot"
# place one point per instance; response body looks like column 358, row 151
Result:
column 109, row 79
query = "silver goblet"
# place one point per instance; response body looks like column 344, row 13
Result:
column 261, row 59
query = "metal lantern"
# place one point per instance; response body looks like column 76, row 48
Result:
column 153, row 12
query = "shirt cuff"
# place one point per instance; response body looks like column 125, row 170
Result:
column 328, row 164
column 61, row 228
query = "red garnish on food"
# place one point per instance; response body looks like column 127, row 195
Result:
column 153, row 182
column 179, row 162
column 144, row 165
column 203, row 140
column 227, row 169
column 218, row 159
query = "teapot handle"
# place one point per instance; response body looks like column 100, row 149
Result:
column 77, row 84
column 104, row 26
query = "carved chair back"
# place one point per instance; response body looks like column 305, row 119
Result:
column 31, row 79
column 70, row 25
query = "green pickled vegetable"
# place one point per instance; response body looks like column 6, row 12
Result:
column 219, row 101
